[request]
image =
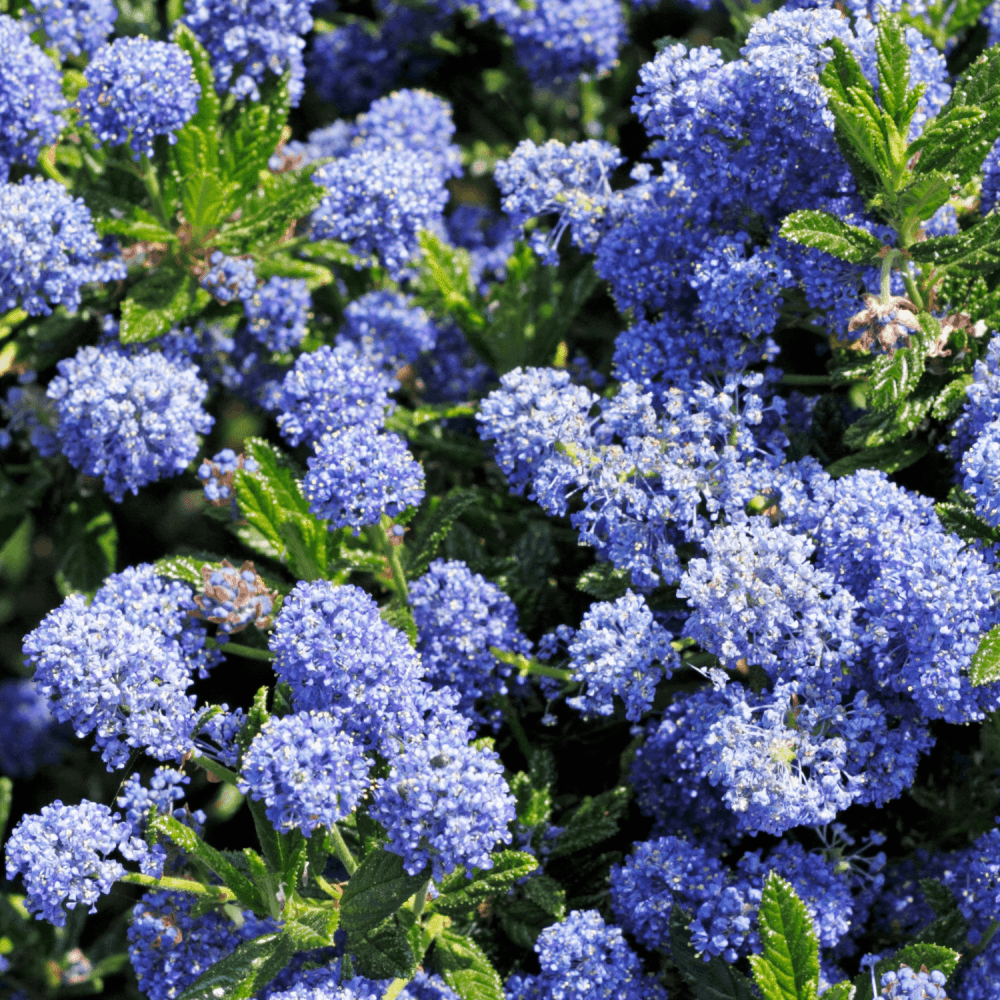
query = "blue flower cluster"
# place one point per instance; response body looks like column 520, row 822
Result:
column 460, row 618
column 582, row 957
column 48, row 246
column 31, row 100
column 63, row 855
column 121, row 666
column 612, row 655
column 128, row 417
column 71, row 27
column 170, row 947
column 28, row 734
column 250, row 42
column 229, row 278
column 388, row 329
column 573, row 183
column 278, row 311
column 308, row 771
column 136, row 90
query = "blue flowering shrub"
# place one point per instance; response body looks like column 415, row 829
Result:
column 500, row 500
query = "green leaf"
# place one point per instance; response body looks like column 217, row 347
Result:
column 923, row 198
column 283, row 266
column 958, row 514
column 399, row 616
column 6, row 793
column 934, row 956
column 944, row 144
column 788, row 969
column 446, row 285
column 432, row 528
column 895, row 376
column 137, row 225
column 603, row 581
column 881, row 427
column 185, row 838
column 840, row 991
column 976, row 250
column 711, row 980
column 594, row 820
column 547, row 894
column 376, row 890
column 951, row 398
column 88, row 546
column 186, row 568
column 253, row 138
column 159, row 302
column 266, row 215
column 889, row 458
column 459, row 893
column 207, row 115
column 245, row 972
column 826, row 232
column 985, row 668
column 465, row 968
column 384, row 952
column 311, row 925
column 893, row 70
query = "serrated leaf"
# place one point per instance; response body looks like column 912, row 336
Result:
column 186, row 838
column 889, row 458
column 958, row 514
column 400, row 617
column 310, row 925
column 944, row 143
column 160, row 301
column 376, row 890
column 267, row 215
column 465, row 968
column 532, row 804
column 893, row 70
column 985, row 667
column 459, row 893
column 547, row 894
column 245, row 972
column 185, row 568
column 934, row 956
column 921, row 199
column 711, row 980
column 881, row 427
column 138, row 224
column 823, row 231
column 840, row 991
column 209, row 106
column 384, row 952
column 432, row 529
column 594, row 820
column 976, row 250
column 788, row 969
column 951, row 398
column 603, row 581
column 894, row 377
column 283, row 266
column 939, row 897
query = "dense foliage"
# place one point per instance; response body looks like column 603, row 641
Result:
column 500, row 501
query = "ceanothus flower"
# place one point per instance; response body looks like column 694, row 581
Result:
column 230, row 278
column 28, row 736
column 571, row 182
column 308, row 771
column 71, row 27
column 30, row 101
column 63, row 855
column 331, row 388
column 278, row 311
column 612, row 654
column 359, row 474
column 136, row 90
column 758, row 599
column 414, row 120
column 658, row 874
column 250, row 39
column 388, row 329
column 582, row 958
column 460, row 617
column 121, row 666
column 444, row 803
column 338, row 656
column 166, row 786
column 378, row 201
column 169, row 948
column 49, row 248
column 128, row 417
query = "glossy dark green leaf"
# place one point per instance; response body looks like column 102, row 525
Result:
column 460, row 893
column 375, row 891
column 465, row 968
column 159, row 302
column 788, row 969
column 245, row 972
column 823, row 231
column 88, row 546
column 383, row 952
